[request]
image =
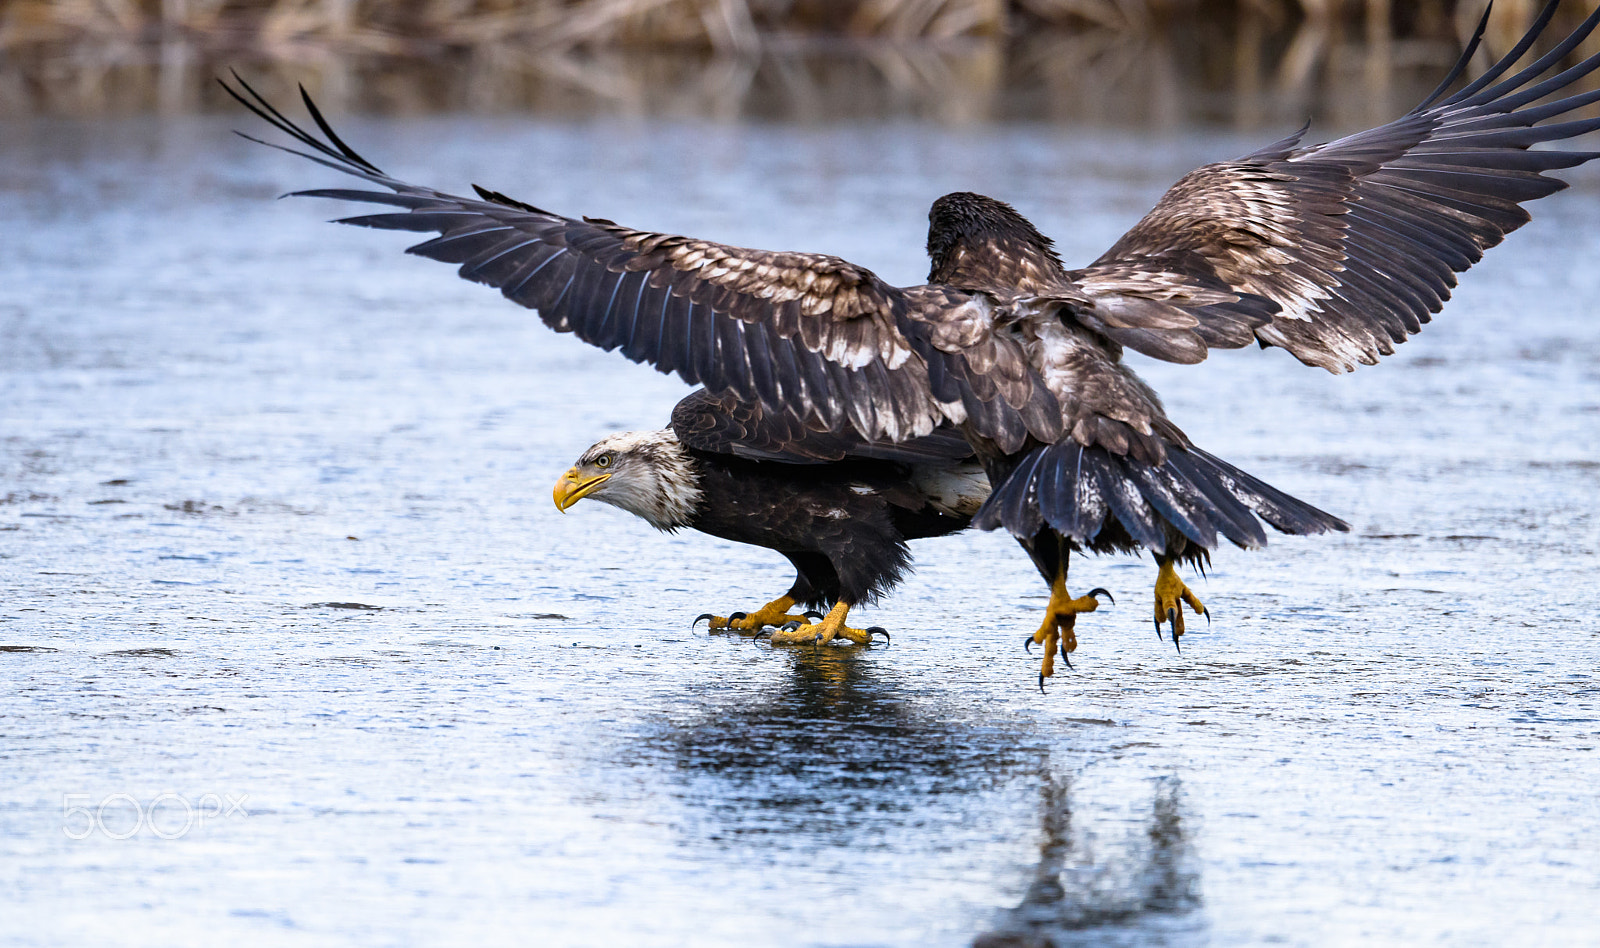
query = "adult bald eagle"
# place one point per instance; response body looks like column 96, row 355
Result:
column 1335, row 252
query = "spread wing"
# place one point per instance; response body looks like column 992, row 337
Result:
column 722, row 424
column 810, row 336
column 1337, row 252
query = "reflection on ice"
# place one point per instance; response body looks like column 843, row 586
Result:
column 835, row 760
column 1091, row 891
column 832, row 752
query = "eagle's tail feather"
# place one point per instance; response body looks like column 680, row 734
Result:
column 1081, row 492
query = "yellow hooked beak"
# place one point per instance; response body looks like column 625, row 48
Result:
column 572, row 488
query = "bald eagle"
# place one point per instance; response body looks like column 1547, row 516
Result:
column 1335, row 252
column 840, row 509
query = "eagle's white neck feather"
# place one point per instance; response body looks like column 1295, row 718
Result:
column 652, row 477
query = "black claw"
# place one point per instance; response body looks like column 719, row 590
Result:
column 877, row 630
column 1158, row 629
column 1027, row 644
column 1207, row 614
column 1041, row 682
column 704, row 615
column 736, row 616
column 817, row 640
column 1097, row 591
column 791, row 625
column 761, row 632
column 813, row 614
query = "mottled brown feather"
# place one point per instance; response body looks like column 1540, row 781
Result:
column 1346, row 248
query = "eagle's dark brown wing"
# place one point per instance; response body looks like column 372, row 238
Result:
column 809, row 335
column 1355, row 243
column 722, row 424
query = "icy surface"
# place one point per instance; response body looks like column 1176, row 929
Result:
column 224, row 425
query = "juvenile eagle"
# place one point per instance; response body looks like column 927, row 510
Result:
column 1335, row 252
column 839, row 508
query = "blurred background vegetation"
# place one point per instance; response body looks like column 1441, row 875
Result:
column 1126, row 62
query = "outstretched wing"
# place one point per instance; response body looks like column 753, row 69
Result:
column 807, row 335
column 722, row 424
column 1356, row 243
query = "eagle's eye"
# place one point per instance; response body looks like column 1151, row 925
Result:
column 603, row 460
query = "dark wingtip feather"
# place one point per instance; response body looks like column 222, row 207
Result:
column 333, row 137
column 1282, row 147
column 1464, row 59
column 336, row 155
column 495, row 197
column 1538, row 68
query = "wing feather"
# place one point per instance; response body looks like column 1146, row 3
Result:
column 722, row 424
column 1337, row 252
column 808, row 335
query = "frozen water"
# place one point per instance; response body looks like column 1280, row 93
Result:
column 276, row 542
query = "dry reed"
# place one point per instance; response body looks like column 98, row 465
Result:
column 1139, row 60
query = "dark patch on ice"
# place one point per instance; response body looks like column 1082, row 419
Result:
column 27, row 649
column 144, row 653
column 1337, row 466
column 343, row 605
column 195, row 507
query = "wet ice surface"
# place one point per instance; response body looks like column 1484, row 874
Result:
column 219, row 415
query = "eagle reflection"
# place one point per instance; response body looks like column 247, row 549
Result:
column 835, row 755
column 780, row 763
column 1079, row 896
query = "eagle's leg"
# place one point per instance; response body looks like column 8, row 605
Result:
column 830, row 627
column 775, row 612
column 1171, row 594
column 1056, row 633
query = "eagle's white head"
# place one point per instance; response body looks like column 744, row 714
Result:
column 646, row 473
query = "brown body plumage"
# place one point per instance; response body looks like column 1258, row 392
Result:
column 840, row 509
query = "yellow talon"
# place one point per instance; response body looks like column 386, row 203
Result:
column 1170, row 594
column 821, row 633
column 775, row 612
column 1056, row 633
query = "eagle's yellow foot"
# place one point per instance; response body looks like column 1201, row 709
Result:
column 1056, row 633
column 775, row 612
column 821, row 633
column 1171, row 593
